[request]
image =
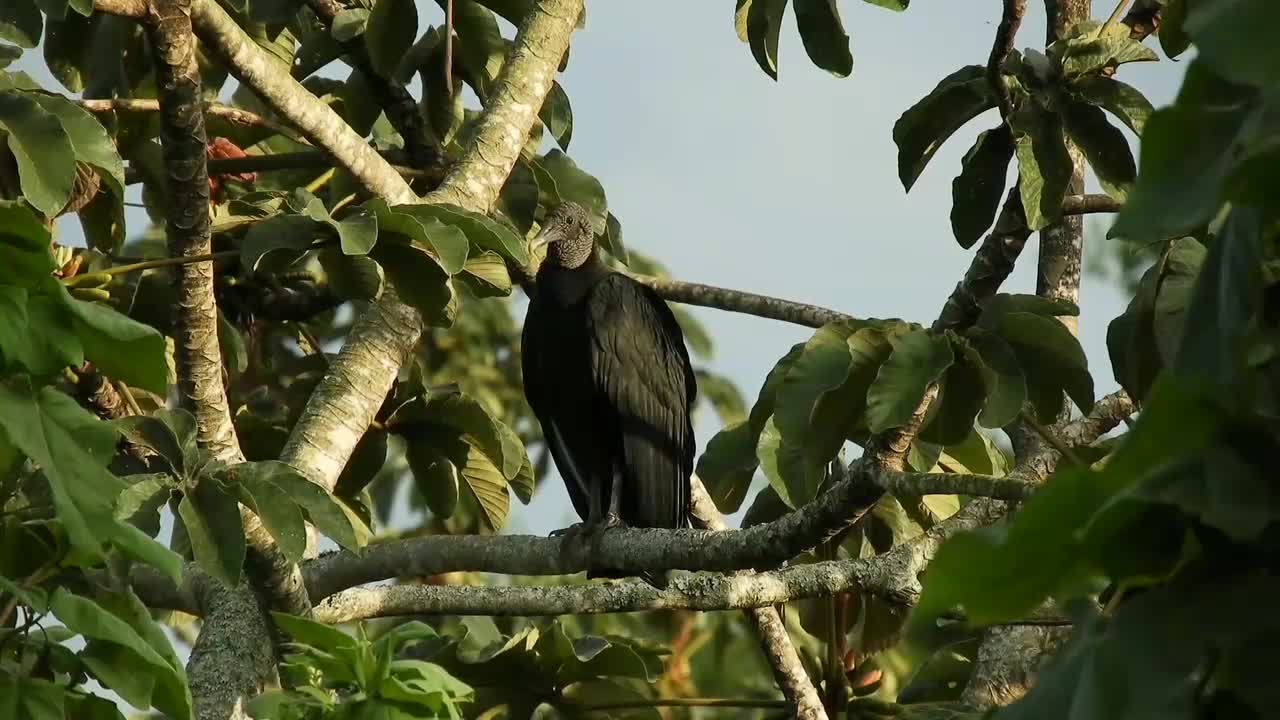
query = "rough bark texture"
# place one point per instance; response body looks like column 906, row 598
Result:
column 232, row 664
column 345, row 401
column 788, row 671
column 989, row 268
column 182, row 139
column 720, row 298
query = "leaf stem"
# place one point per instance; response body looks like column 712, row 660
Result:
column 168, row 262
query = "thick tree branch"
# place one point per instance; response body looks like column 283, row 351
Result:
column 301, row 160
column 1089, row 204
column 778, row 648
column 989, row 268
column 720, row 298
column 345, row 401
column 136, row 9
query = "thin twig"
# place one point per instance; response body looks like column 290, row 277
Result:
column 448, row 48
column 233, row 115
column 168, row 262
column 1090, row 204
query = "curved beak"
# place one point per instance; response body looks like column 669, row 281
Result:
column 546, row 235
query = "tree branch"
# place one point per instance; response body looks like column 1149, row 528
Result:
column 1089, row 204
column 691, row 293
column 233, row 115
column 136, row 9
column 991, row 264
column 344, row 403
column 778, row 648
column 1000, row 49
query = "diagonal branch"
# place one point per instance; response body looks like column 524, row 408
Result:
column 344, row 403
column 764, row 306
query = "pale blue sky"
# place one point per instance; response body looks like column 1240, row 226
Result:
column 786, row 188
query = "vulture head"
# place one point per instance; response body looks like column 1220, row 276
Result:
column 568, row 235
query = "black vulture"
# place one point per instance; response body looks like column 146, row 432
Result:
column 607, row 374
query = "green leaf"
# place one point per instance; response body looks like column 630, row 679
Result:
column 280, row 232
column 1188, row 151
column 140, row 503
column 435, row 476
column 1227, row 290
column 20, row 23
column 480, row 230
column 278, row 512
column 1002, row 378
column 925, row 126
column 98, row 625
column 212, row 520
column 72, row 447
column 1172, row 31
column 1103, row 146
column 89, row 140
column 350, row 23
column 121, row 347
column 351, row 276
column 961, row 395
column 1094, row 50
column 728, row 465
column 9, row 53
column 977, row 190
column 322, row 509
column 447, row 243
column 1235, row 38
column 43, row 151
column 1125, row 102
column 448, row 408
column 557, row 115
column 366, row 461
column 486, row 275
column 392, row 28
column 357, row 232
column 170, row 433
column 763, row 22
column 572, row 184
column 1052, row 361
column 24, row 246
column 1002, row 303
column 1044, row 165
column 823, row 35
column 420, row 281
column 896, row 5
column 317, row 635
column 918, row 360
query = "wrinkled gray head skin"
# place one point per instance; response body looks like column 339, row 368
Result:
column 568, row 234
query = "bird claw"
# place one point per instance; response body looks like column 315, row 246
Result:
column 574, row 529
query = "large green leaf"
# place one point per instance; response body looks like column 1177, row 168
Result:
column 977, row 190
column 762, row 20
column 1052, row 361
column 918, row 360
column 1044, row 165
column 280, row 232
column 435, row 476
column 447, row 243
column 211, row 516
column 1100, row 47
column 823, row 35
column 557, row 114
column 448, row 408
column 24, row 246
column 20, row 23
column 121, row 347
column 420, row 281
column 480, row 230
column 1002, row 378
column 729, row 463
column 1226, row 293
column 1188, row 151
column 98, row 625
column 72, row 447
column 1103, row 146
column 392, row 28
column 278, row 512
column 89, row 140
column 925, row 126
column 1125, row 102
column 322, row 509
column 45, row 156
column 1236, row 38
